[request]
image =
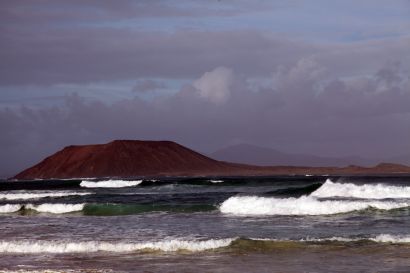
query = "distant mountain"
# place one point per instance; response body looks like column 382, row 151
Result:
column 255, row 155
column 401, row 159
column 133, row 158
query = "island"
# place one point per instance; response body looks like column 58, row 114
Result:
column 140, row 158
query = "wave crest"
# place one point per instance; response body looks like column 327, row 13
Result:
column 180, row 244
column 27, row 195
column 9, row 208
column 110, row 184
column 305, row 205
column 367, row 191
column 95, row 246
column 387, row 238
column 56, row 208
column 216, row 181
column 381, row 238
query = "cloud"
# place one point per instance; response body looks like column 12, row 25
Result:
column 80, row 56
column 299, row 82
column 242, row 83
column 390, row 74
column 101, row 11
column 342, row 116
column 47, row 57
column 215, row 85
column 148, row 85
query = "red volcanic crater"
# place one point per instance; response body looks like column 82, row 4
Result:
column 132, row 158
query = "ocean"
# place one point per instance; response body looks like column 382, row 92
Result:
column 209, row 224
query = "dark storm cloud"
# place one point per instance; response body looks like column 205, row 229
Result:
column 51, row 42
column 50, row 57
column 90, row 55
column 54, row 42
column 96, row 11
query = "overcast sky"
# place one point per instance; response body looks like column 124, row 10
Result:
column 322, row 77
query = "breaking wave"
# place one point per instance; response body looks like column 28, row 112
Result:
column 387, row 238
column 305, row 205
column 105, row 209
column 216, row 181
column 56, row 208
column 9, row 208
column 312, row 204
column 381, row 238
column 110, row 184
column 96, row 246
column 26, row 195
column 377, row 191
column 175, row 245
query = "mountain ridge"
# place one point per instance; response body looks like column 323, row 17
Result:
column 137, row 158
column 256, row 155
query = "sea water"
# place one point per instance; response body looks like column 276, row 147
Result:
column 217, row 224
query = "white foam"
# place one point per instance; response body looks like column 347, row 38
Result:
column 382, row 238
column 375, row 191
column 36, row 195
column 216, row 181
column 335, row 238
column 56, row 208
column 305, row 205
column 387, row 238
column 110, row 184
column 95, row 246
column 9, row 208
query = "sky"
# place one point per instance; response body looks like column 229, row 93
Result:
column 329, row 78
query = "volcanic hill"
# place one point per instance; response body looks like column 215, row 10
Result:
column 124, row 158
column 133, row 158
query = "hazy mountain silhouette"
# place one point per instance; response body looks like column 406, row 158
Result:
column 255, row 155
column 400, row 159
